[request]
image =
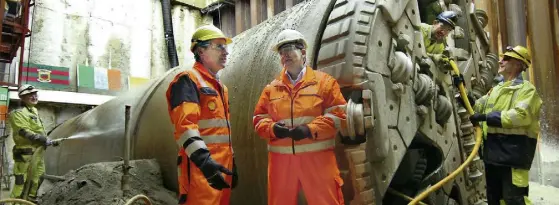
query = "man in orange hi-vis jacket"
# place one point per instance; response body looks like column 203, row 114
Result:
column 199, row 109
column 299, row 114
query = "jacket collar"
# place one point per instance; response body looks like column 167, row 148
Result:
column 308, row 78
column 513, row 84
column 206, row 73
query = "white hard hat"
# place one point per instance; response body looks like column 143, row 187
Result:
column 26, row 89
column 289, row 36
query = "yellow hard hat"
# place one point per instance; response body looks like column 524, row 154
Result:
column 207, row 32
column 26, row 89
column 289, row 36
column 520, row 53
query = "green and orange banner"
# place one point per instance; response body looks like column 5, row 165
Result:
column 99, row 78
column 4, row 101
column 46, row 76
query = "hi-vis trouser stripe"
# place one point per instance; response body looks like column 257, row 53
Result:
column 336, row 119
column 511, row 131
column 313, row 147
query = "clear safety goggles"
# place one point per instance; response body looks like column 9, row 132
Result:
column 285, row 49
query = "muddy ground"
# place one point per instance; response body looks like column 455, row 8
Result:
column 100, row 183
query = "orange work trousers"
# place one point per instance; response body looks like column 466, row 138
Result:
column 197, row 191
column 315, row 172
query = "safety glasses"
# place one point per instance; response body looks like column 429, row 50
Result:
column 510, row 49
column 285, row 49
column 219, row 47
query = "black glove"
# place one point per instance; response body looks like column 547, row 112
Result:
column 359, row 139
column 470, row 98
column 235, row 175
column 280, row 130
column 301, row 132
column 40, row 139
column 477, row 117
column 457, row 79
column 53, row 143
column 211, row 169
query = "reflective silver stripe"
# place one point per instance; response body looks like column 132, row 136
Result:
column 512, row 114
column 297, row 121
column 200, row 79
column 327, row 110
column 513, row 98
column 211, row 123
column 510, row 131
column 187, row 134
column 522, row 105
column 257, row 124
column 261, row 115
column 337, row 120
column 317, row 146
column 196, row 145
column 211, row 139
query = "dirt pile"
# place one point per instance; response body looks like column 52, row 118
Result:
column 100, row 183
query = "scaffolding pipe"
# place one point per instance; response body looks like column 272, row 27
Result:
column 516, row 22
column 126, row 166
column 501, row 12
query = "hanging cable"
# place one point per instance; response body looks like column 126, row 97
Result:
column 30, row 38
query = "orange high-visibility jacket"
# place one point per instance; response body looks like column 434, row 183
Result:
column 316, row 101
column 199, row 109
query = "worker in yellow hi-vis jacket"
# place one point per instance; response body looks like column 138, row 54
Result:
column 29, row 135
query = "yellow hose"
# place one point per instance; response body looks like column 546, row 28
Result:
column 447, row 179
column 400, row 194
column 17, row 201
column 138, row 197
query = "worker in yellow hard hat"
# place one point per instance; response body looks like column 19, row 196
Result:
column 29, row 134
column 509, row 116
column 198, row 104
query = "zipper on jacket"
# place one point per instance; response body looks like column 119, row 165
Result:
column 292, row 123
column 292, row 101
column 225, row 111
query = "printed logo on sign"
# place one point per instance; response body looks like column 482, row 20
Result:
column 44, row 76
